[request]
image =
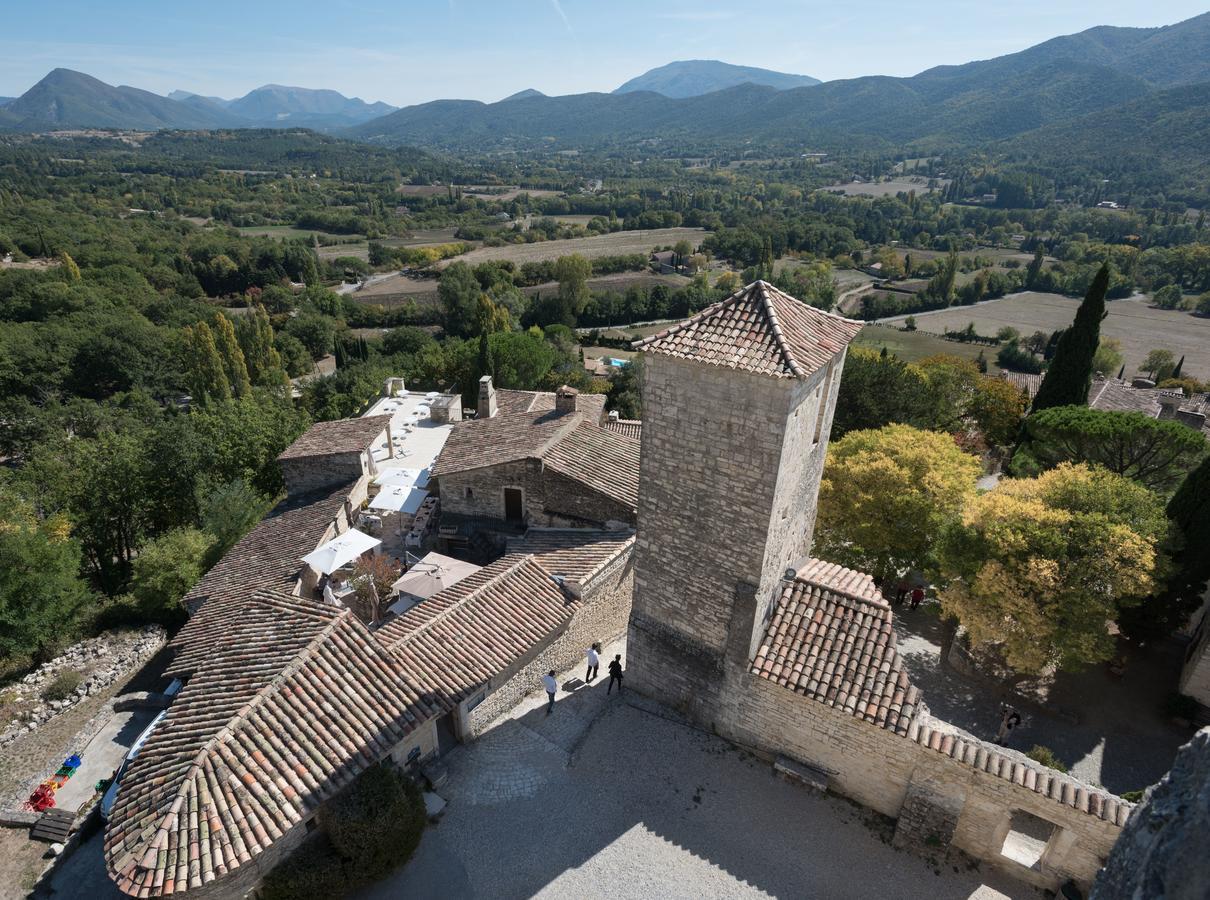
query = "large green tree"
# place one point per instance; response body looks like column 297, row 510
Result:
column 1156, row 453
column 1069, row 377
column 1040, row 567
column 886, row 495
column 459, row 292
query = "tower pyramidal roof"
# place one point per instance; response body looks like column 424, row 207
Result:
column 758, row 329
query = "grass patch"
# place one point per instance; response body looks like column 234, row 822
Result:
column 62, row 686
column 911, row 346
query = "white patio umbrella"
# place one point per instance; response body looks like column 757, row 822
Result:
column 329, row 557
column 399, row 498
column 400, row 476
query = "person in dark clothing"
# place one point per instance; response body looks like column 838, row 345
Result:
column 1009, row 719
column 615, row 673
column 917, row 596
column 901, row 592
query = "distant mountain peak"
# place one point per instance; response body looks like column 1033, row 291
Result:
column 521, row 95
column 694, row 77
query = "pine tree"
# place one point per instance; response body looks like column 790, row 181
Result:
column 203, row 366
column 1070, row 374
column 232, row 356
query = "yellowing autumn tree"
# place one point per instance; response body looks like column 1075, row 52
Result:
column 1040, row 567
column 886, row 496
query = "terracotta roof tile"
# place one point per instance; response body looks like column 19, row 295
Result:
column 1029, row 382
column 599, row 459
column 268, row 555
column 286, row 702
column 758, row 329
column 1111, row 395
column 831, row 639
column 628, row 427
column 575, row 553
column 509, row 401
column 459, row 638
column 337, row 436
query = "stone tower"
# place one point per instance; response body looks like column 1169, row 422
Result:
column 737, row 406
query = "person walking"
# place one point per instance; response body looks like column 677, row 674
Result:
column 594, row 663
column 552, row 686
column 901, row 592
column 1009, row 719
column 917, row 596
column 615, row 674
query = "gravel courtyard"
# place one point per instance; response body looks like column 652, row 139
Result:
column 606, row 799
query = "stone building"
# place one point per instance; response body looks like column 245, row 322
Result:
column 521, row 462
column 793, row 657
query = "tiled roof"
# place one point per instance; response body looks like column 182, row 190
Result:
column 838, row 648
column 758, row 329
column 478, row 443
column 832, row 639
column 268, row 555
column 512, row 401
column 575, row 553
column 337, row 436
column 459, row 638
column 1111, row 395
column 599, row 459
column 1026, row 381
column 629, row 427
column 287, row 701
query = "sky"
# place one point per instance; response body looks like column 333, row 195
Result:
column 411, row 51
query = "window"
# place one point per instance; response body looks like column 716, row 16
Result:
column 1027, row 839
column 468, row 493
column 514, row 505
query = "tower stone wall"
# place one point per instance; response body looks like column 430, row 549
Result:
column 729, row 478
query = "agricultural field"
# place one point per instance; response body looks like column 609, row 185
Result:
column 1140, row 327
column 911, row 346
column 904, row 183
column 618, row 243
column 289, row 231
column 483, row 192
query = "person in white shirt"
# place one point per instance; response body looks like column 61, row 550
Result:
column 330, row 594
column 594, row 662
column 548, row 681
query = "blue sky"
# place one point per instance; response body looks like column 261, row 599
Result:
column 417, row 50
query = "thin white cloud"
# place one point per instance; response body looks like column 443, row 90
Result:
column 705, row 15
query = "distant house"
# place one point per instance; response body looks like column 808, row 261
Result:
column 664, row 261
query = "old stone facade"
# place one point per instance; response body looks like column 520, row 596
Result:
column 544, row 498
column 728, row 458
column 738, row 405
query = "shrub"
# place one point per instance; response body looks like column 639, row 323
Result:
column 63, row 685
column 313, row 870
column 1133, row 796
column 376, row 823
column 1046, row 757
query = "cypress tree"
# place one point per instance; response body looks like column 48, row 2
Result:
column 1176, row 373
column 1070, row 374
column 232, row 356
column 1122, row 372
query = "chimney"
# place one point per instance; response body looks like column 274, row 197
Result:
column 565, row 399
column 615, row 416
column 487, row 398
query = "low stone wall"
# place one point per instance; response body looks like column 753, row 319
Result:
column 100, row 660
column 602, row 618
column 947, row 790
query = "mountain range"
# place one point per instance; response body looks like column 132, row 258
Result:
column 1056, row 90
column 693, row 77
column 68, row 99
column 988, row 100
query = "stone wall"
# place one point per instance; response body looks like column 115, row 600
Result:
column 549, row 499
column 309, row 474
column 943, row 801
column 602, row 618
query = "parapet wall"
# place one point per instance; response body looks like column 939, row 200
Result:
column 944, row 789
